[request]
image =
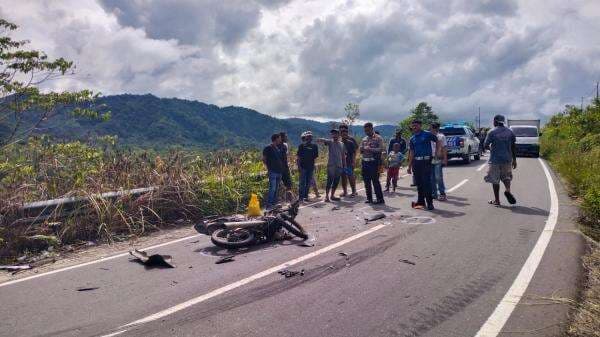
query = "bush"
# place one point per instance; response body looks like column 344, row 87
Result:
column 571, row 142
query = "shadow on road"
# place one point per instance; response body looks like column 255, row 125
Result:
column 447, row 214
column 221, row 252
column 526, row 210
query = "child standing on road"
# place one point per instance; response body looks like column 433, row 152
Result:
column 394, row 159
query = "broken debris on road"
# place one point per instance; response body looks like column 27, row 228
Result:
column 225, row 259
column 155, row 260
column 408, row 262
column 290, row 273
column 374, row 217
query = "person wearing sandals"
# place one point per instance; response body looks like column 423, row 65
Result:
column 336, row 161
column 503, row 159
column 437, row 171
column 348, row 176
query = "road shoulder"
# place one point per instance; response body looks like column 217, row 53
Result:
column 545, row 307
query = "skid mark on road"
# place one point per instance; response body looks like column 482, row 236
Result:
column 427, row 319
column 278, row 286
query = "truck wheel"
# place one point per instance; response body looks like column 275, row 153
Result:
column 467, row 157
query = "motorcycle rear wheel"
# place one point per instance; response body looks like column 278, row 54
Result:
column 227, row 238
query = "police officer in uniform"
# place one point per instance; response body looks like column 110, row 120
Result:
column 419, row 163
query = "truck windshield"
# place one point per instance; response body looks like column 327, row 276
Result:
column 524, row 132
column 453, row 131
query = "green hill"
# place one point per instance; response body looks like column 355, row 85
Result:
column 149, row 121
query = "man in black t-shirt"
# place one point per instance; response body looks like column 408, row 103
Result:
column 286, row 177
column 272, row 158
column 351, row 146
column 305, row 159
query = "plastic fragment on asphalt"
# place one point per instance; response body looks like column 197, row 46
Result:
column 87, row 288
column 225, row 259
column 155, row 260
column 336, row 208
column 290, row 273
column 375, row 217
column 408, row 262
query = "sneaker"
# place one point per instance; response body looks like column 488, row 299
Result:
column 442, row 197
column 379, row 202
column 368, row 201
column 335, row 199
column 430, row 207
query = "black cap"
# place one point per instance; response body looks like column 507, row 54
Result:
column 499, row 119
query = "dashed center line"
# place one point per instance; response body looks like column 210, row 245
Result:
column 455, row 187
column 481, row 167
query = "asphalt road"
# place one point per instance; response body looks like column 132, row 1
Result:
column 414, row 273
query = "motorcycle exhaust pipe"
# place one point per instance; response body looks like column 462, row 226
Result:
column 244, row 224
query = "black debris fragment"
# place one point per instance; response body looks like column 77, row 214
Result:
column 155, row 260
column 408, row 262
column 225, row 259
column 87, row 288
column 375, row 217
column 344, row 254
column 336, row 208
column 290, row 273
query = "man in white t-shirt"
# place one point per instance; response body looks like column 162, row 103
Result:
column 437, row 173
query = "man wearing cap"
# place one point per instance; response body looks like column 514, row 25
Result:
column 420, row 155
column 503, row 159
column 336, row 162
column 305, row 159
column 371, row 148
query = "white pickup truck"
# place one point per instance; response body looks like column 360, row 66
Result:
column 461, row 142
column 527, row 132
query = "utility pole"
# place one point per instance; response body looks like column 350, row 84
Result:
column 582, row 103
column 597, row 90
column 479, row 119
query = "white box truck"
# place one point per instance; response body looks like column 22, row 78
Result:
column 527, row 132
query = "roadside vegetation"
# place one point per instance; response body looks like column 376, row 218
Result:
column 571, row 142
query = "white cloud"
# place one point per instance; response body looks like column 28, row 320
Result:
column 309, row 57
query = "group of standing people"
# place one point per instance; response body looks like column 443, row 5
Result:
column 427, row 156
column 343, row 151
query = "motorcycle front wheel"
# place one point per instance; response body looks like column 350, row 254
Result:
column 228, row 238
column 293, row 227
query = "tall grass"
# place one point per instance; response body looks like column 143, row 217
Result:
column 189, row 185
column 571, row 141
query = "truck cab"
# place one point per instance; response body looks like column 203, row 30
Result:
column 527, row 133
column 461, row 142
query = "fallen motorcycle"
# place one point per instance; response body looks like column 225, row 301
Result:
column 239, row 231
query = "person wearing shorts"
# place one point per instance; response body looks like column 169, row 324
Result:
column 335, row 163
column 503, row 160
column 348, row 176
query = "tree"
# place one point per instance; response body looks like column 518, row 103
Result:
column 352, row 114
column 422, row 112
column 23, row 106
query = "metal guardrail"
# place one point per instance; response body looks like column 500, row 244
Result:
column 39, row 211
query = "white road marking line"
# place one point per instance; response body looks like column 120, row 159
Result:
column 112, row 257
column 455, row 187
column 115, row 333
column 481, row 167
column 495, row 323
column 249, row 279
